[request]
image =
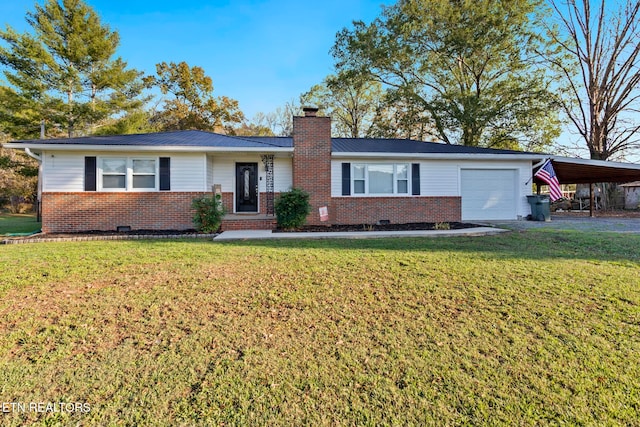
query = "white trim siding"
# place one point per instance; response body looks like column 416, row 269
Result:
column 64, row 171
column 209, row 172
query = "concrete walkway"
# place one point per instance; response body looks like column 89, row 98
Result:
column 268, row 234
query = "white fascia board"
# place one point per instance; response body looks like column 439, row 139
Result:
column 142, row 148
column 589, row 162
column 440, row 156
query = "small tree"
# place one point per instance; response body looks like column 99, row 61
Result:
column 209, row 212
column 193, row 105
column 350, row 100
column 292, row 208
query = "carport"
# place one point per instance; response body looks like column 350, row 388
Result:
column 585, row 171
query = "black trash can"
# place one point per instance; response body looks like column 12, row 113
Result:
column 540, row 207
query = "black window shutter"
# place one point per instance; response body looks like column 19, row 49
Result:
column 165, row 173
column 415, row 179
column 346, row 179
column 90, row 173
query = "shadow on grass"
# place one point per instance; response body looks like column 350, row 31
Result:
column 532, row 244
column 18, row 223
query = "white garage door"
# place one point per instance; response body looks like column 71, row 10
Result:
column 488, row 194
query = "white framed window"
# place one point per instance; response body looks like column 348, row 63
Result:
column 114, row 173
column 402, row 178
column 380, row 178
column 143, row 173
column 128, row 174
column 359, row 180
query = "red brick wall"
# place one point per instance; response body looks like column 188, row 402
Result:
column 69, row 212
column 369, row 210
column 87, row 211
column 72, row 212
column 312, row 161
column 228, row 201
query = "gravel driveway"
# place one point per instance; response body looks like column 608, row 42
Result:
column 614, row 224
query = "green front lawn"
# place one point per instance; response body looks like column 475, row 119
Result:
column 530, row 328
column 18, row 223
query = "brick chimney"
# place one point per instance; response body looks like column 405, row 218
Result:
column 312, row 161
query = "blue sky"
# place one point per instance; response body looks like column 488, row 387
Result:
column 262, row 53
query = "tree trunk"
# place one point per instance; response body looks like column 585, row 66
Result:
column 70, row 116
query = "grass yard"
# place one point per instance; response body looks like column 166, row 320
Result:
column 18, row 223
column 530, row 328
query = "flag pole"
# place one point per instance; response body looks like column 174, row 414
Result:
column 540, row 163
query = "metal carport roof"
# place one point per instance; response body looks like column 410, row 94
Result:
column 583, row 171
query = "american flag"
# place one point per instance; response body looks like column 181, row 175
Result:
column 548, row 175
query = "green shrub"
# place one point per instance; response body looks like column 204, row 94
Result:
column 209, row 213
column 292, row 208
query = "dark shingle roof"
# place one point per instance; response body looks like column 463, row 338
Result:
column 196, row 138
column 399, row 146
column 278, row 141
column 186, row 138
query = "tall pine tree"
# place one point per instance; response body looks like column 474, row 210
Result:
column 64, row 72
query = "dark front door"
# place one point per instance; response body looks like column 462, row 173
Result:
column 246, row 187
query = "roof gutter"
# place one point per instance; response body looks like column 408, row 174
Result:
column 440, row 156
column 32, row 154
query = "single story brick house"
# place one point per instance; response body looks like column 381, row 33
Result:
column 148, row 181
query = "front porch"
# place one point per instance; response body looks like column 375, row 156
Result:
column 249, row 221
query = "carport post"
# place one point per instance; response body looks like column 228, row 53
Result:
column 592, row 201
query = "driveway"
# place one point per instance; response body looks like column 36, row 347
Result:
column 575, row 222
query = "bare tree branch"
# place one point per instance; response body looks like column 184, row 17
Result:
column 604, row 91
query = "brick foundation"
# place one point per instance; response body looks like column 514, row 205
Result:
column 91, row 211
column 73, row 212
column 398, row 210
